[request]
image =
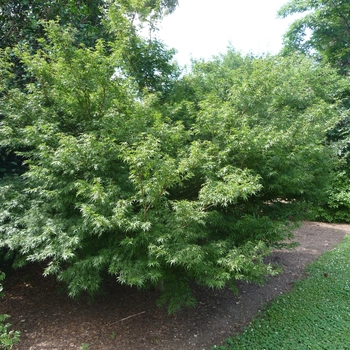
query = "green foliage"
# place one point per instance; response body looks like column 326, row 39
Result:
column 329, row 30
column 150, row 65
column 324, row 33
column 21, row 20
column 314, row 315
column 177, row 293
column 7, row 338
column 259, row 113
column 337, row 207
column 85, row 346
column 159, row 188
column 147, row 61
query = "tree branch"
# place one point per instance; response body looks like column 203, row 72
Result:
column 126, row 318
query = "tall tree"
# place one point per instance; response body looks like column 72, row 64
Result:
column 324, row 33
column 324, row 30
column 20, row 20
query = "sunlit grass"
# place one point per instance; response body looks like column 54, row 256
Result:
column 314, row 315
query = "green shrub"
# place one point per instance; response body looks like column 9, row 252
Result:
column 114, row 185
column 337, row 207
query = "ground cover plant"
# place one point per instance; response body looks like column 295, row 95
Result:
column 314, row 315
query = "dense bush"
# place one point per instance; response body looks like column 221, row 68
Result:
column 157, row 188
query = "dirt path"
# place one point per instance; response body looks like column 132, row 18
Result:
column 126, row 319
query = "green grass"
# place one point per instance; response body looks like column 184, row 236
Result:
column 314, row 315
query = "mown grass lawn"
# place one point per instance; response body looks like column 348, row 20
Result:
column 314, row 315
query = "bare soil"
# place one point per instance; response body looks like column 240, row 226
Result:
column 126, row 318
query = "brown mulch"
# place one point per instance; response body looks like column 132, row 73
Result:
column 125, row 318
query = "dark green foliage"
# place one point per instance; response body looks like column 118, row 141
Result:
column 324, row 33
column 20, row 20
column 10, row 164
column 329, row 30
column 337, row 207
column 150, row 65
column 177, row 293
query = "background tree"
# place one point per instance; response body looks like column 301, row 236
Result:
column 20, row 20
column 324, row 30
column 324, row 33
